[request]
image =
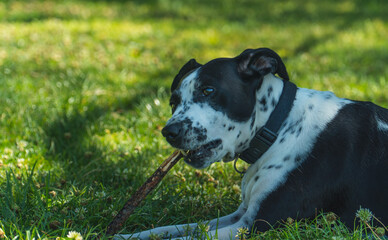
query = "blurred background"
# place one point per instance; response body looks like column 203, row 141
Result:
column 84, row 88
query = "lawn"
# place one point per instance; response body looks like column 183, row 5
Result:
column 84, row 88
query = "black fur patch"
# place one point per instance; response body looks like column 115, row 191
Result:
column 270, row 166
column 233, row 95
column 269, row 91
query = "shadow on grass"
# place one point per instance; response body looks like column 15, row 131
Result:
column 70, row 140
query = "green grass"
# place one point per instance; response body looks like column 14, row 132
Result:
column 84, row 89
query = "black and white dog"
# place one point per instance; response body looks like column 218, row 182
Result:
column 309, row 151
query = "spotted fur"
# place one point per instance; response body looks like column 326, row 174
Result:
column 323, row 143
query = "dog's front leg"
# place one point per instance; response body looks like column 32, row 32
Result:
column 179, row 231
column 211, row 228
column 227, row 227
column 229, row 231
column 182, row 230
column 228, row 219
column 171, row 231
column 225, row 233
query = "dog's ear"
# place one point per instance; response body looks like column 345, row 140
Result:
column 260, row 62
column 190, row 66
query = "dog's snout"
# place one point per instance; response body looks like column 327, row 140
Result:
column 172, row 132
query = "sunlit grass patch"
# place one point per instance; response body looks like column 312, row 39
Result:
column 84, row 88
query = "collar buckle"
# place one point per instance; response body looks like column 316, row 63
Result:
column 265, row 136
column 235, row 167
column 260, row 143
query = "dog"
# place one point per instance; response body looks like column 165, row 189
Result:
column 309, row 151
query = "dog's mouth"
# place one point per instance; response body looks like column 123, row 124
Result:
column 202, row 152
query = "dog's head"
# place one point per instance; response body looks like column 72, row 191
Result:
column 213, row 105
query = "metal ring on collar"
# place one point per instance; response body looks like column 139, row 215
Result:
column 235, row 167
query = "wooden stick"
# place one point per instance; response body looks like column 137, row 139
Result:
column 142, row 192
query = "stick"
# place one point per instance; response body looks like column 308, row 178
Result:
column 142, row 192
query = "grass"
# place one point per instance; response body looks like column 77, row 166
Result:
column 84, row 89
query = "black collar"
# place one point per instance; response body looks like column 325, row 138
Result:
column 267, row 135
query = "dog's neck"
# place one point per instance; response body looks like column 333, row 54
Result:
column 274, row 102
column 267, row 97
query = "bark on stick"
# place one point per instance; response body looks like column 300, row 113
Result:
column 142, row 192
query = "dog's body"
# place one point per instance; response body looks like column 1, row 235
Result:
column 330, row 154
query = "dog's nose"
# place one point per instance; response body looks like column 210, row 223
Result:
column 172, row 132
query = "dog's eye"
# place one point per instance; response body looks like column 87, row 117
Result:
column 207, row 91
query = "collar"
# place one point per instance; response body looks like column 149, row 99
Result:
column 267, row 135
